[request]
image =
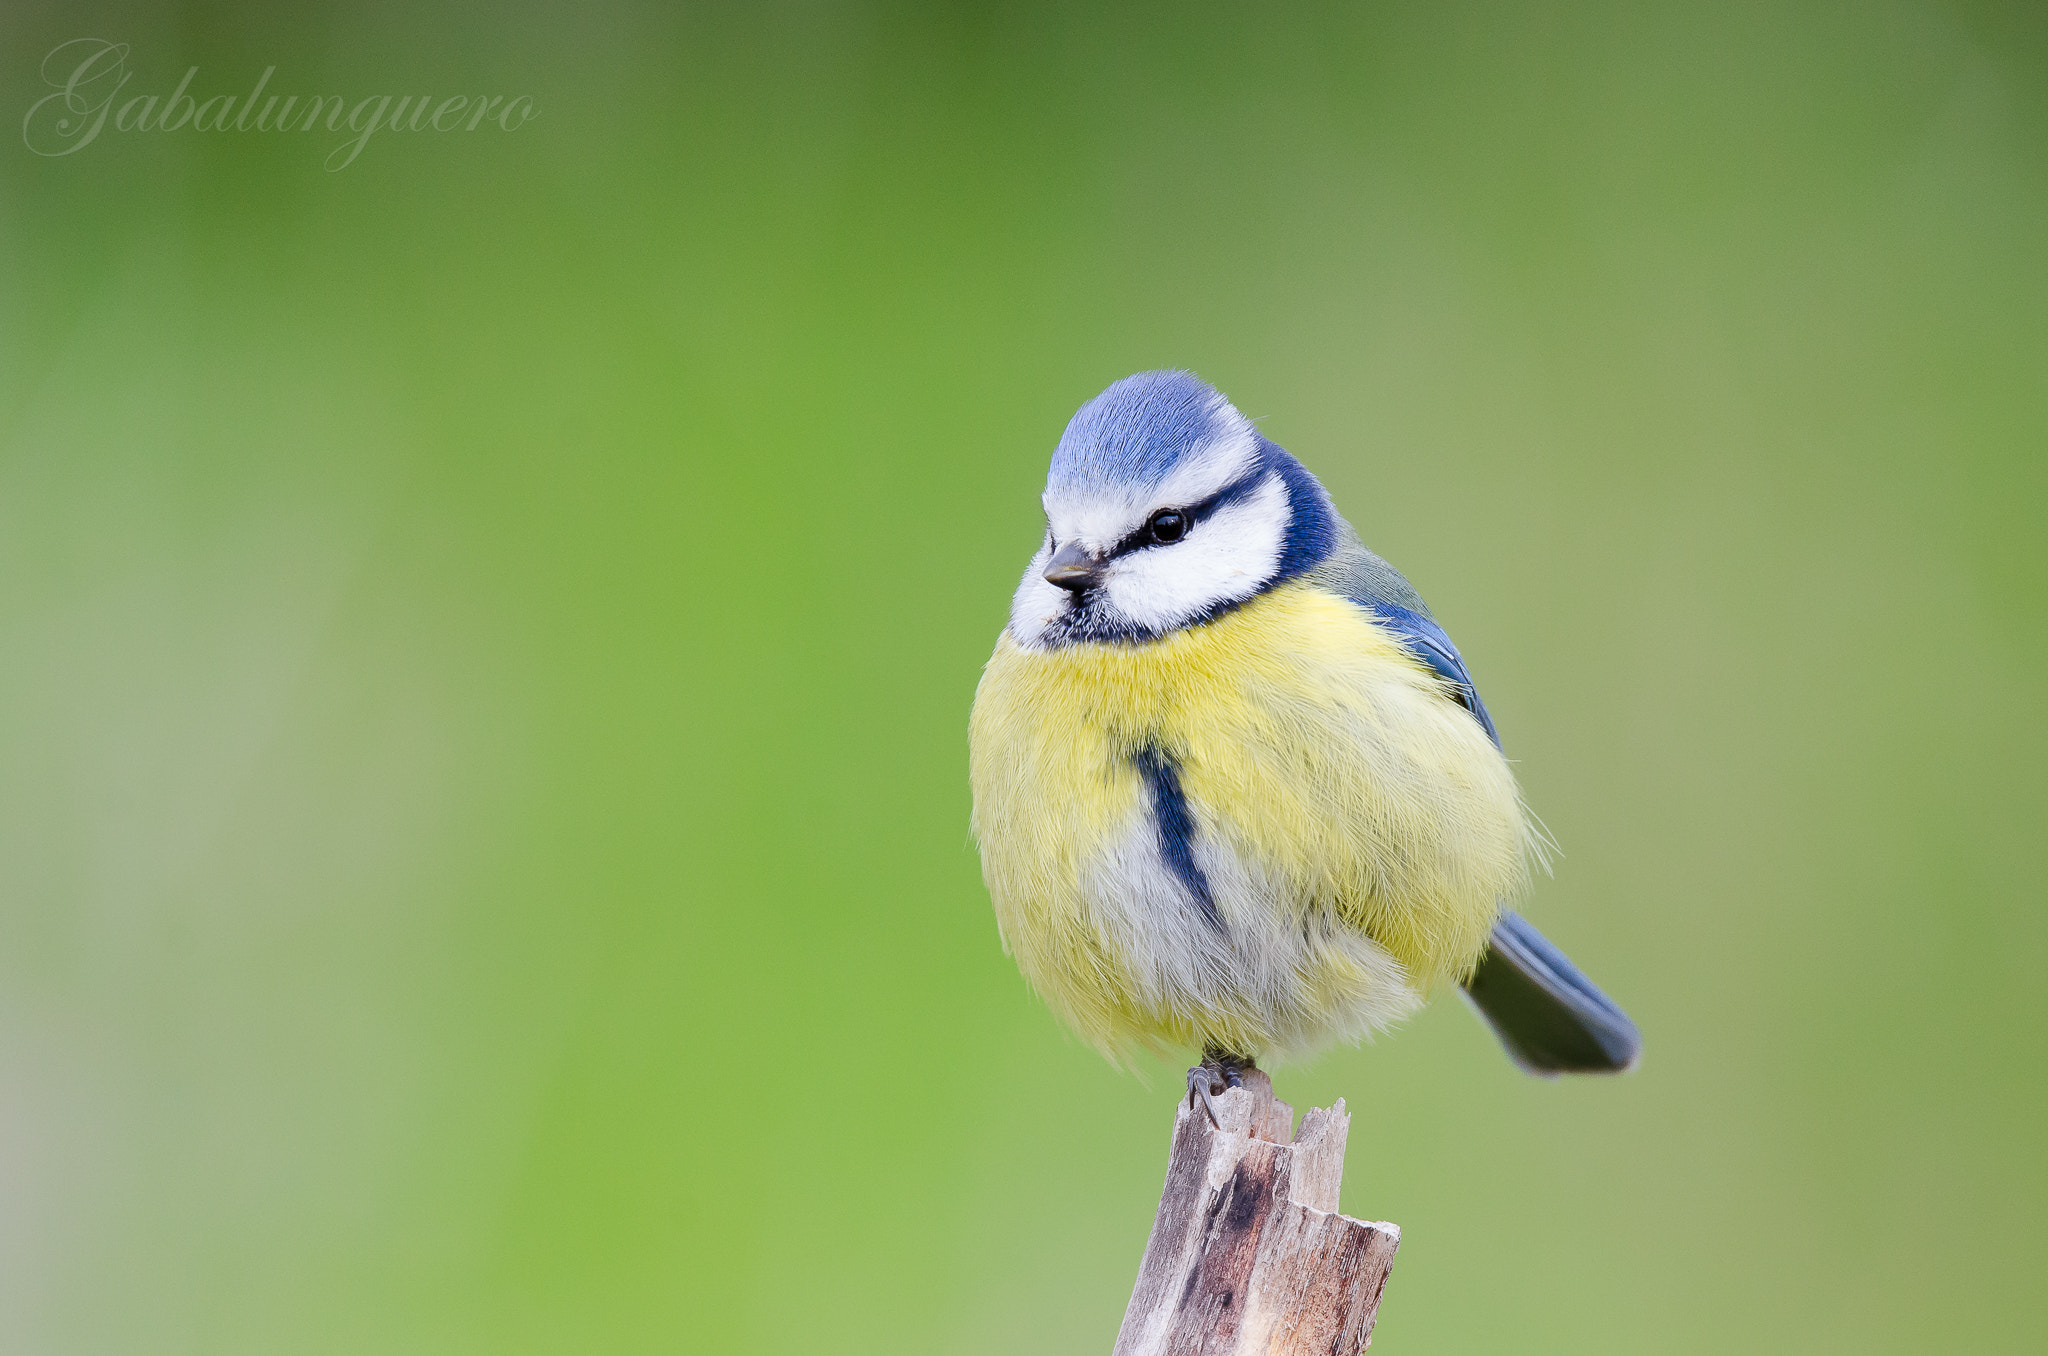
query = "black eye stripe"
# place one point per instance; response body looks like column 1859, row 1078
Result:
column 1193, row 514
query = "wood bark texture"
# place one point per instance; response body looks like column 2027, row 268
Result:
column 1248, row 1255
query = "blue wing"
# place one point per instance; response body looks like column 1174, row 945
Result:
column 1548, row 1015
column 1427, row 642
column 1359, row 575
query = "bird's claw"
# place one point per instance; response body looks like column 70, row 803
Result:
column 1208, row 1078
column 1202, row 1083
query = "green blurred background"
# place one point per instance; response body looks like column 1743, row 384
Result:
column 486, row 639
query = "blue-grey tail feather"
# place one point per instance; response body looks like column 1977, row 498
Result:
column 1550, row 1017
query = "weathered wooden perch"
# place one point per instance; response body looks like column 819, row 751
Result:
column 1248, row 1255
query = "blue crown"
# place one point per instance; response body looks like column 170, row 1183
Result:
column 1138, row 429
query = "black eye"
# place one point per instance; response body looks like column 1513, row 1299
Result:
column 1168, row 525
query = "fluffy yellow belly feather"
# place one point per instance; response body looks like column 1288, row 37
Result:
column 1357, row 829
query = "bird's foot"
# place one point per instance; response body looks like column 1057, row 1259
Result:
column 1216, row 1074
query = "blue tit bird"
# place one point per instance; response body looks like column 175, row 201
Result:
column 1234, row 789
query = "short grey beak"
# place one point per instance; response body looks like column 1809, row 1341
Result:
column 1073, row 568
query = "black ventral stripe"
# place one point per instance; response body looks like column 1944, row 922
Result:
column 1176, row 827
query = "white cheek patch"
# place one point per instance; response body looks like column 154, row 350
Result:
column 1225, row 558
column 1101, row 516
column 1038, row 603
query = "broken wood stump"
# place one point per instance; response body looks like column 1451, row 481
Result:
column 1248, row 1255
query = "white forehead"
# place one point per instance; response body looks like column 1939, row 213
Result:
column 1100, row 513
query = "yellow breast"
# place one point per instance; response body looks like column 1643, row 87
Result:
column 1361, row 829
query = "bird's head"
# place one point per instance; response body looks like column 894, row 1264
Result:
column 1163, row 508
